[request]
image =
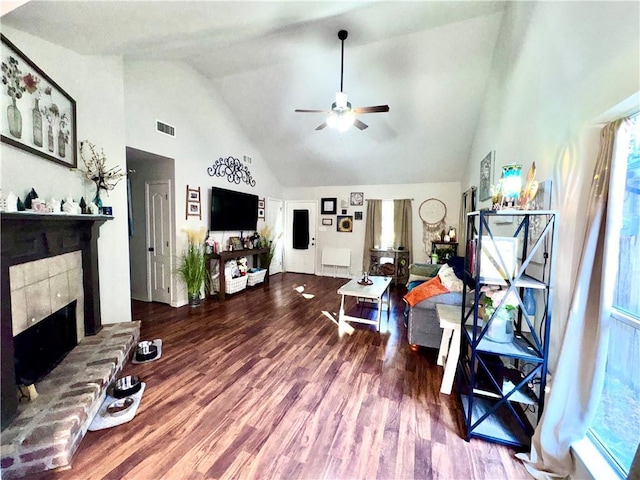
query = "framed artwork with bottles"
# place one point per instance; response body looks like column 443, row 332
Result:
column 36, row 114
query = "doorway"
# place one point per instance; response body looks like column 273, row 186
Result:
column 154, row 176
column 300, row 218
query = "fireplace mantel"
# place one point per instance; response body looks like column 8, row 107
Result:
column 27, row 237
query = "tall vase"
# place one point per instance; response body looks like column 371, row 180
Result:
column 37, row 124
column 14, row 119
column 97, row 200
column 61, row 144
column 50, row 138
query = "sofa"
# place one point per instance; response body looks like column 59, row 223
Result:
column 423, row 325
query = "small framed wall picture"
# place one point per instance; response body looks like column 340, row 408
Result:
column 486, row 176
column 357, row 198
column 193, row 203
column 327, row 222
column 261, row 203
column 193, row 195
column 261, row 213
column 345, row 223
column 357, row 215
column 328, row 206
column 194, row 208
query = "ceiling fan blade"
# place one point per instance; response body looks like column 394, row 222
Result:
column 376, row 109
column 321, row 126
column 312, row 111
column 361, row 125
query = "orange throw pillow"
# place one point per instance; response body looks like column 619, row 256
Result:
column 428, row 289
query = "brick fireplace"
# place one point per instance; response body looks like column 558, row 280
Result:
column 29, row 243
column 50, row 263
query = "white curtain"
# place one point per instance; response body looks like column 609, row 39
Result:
column 579, row 377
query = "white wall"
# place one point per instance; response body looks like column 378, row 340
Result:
column 449, row 193
column 205, row 131
column 557, row 67
column 95, row 83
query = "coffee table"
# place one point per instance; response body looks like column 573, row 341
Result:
column 375, row 292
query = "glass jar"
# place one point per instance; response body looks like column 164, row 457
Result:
column 500, row 328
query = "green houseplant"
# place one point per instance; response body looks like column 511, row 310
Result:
column 267, row 241
column 192, row 266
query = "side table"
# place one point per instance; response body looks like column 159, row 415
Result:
column 225, row 255
column 449, row 316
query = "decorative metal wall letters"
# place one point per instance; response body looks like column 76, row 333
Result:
column 233, row 169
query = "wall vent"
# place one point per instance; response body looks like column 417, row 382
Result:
column 247, row 159
column 165, row 128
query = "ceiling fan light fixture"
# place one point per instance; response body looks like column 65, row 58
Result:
column 345, row 120
column 341, row 120
column 332, row 120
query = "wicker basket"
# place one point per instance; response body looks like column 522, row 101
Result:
column 256, row 276
column 231, row 285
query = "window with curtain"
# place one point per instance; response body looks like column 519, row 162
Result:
column 616, row 426
column 387, row 235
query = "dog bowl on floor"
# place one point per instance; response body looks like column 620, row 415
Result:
column 119, row 407
column 146, row 350
column 126, row 386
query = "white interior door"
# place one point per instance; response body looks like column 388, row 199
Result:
column 300, row 260
column 158, row 200
column 275, row 218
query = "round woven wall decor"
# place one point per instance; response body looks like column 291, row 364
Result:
column 433, row 213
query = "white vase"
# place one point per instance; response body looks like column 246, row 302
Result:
column 12, row 202
column 500, row 328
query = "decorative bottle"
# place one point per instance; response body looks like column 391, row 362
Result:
column 37, row 123
column 14, row 118
column 61, row 143
column 50, row 138
column 529, row 302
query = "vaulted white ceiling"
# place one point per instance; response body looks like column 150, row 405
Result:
column 429, row 61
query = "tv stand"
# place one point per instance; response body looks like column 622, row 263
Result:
column 226, row 255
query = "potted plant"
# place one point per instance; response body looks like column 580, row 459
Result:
column 500, row 328
column 267, row 241
column 192, row 268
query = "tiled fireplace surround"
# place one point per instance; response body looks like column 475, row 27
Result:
column 46, row 264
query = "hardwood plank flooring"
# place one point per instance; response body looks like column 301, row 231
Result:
column 262, row 386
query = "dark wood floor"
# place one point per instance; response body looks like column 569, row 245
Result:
column 262, row 386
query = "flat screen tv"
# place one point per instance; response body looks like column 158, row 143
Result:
column 233, row 210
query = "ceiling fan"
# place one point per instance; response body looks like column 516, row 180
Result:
column 341, row 115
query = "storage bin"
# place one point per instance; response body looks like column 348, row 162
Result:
column 232, row 285
column 256, row 276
